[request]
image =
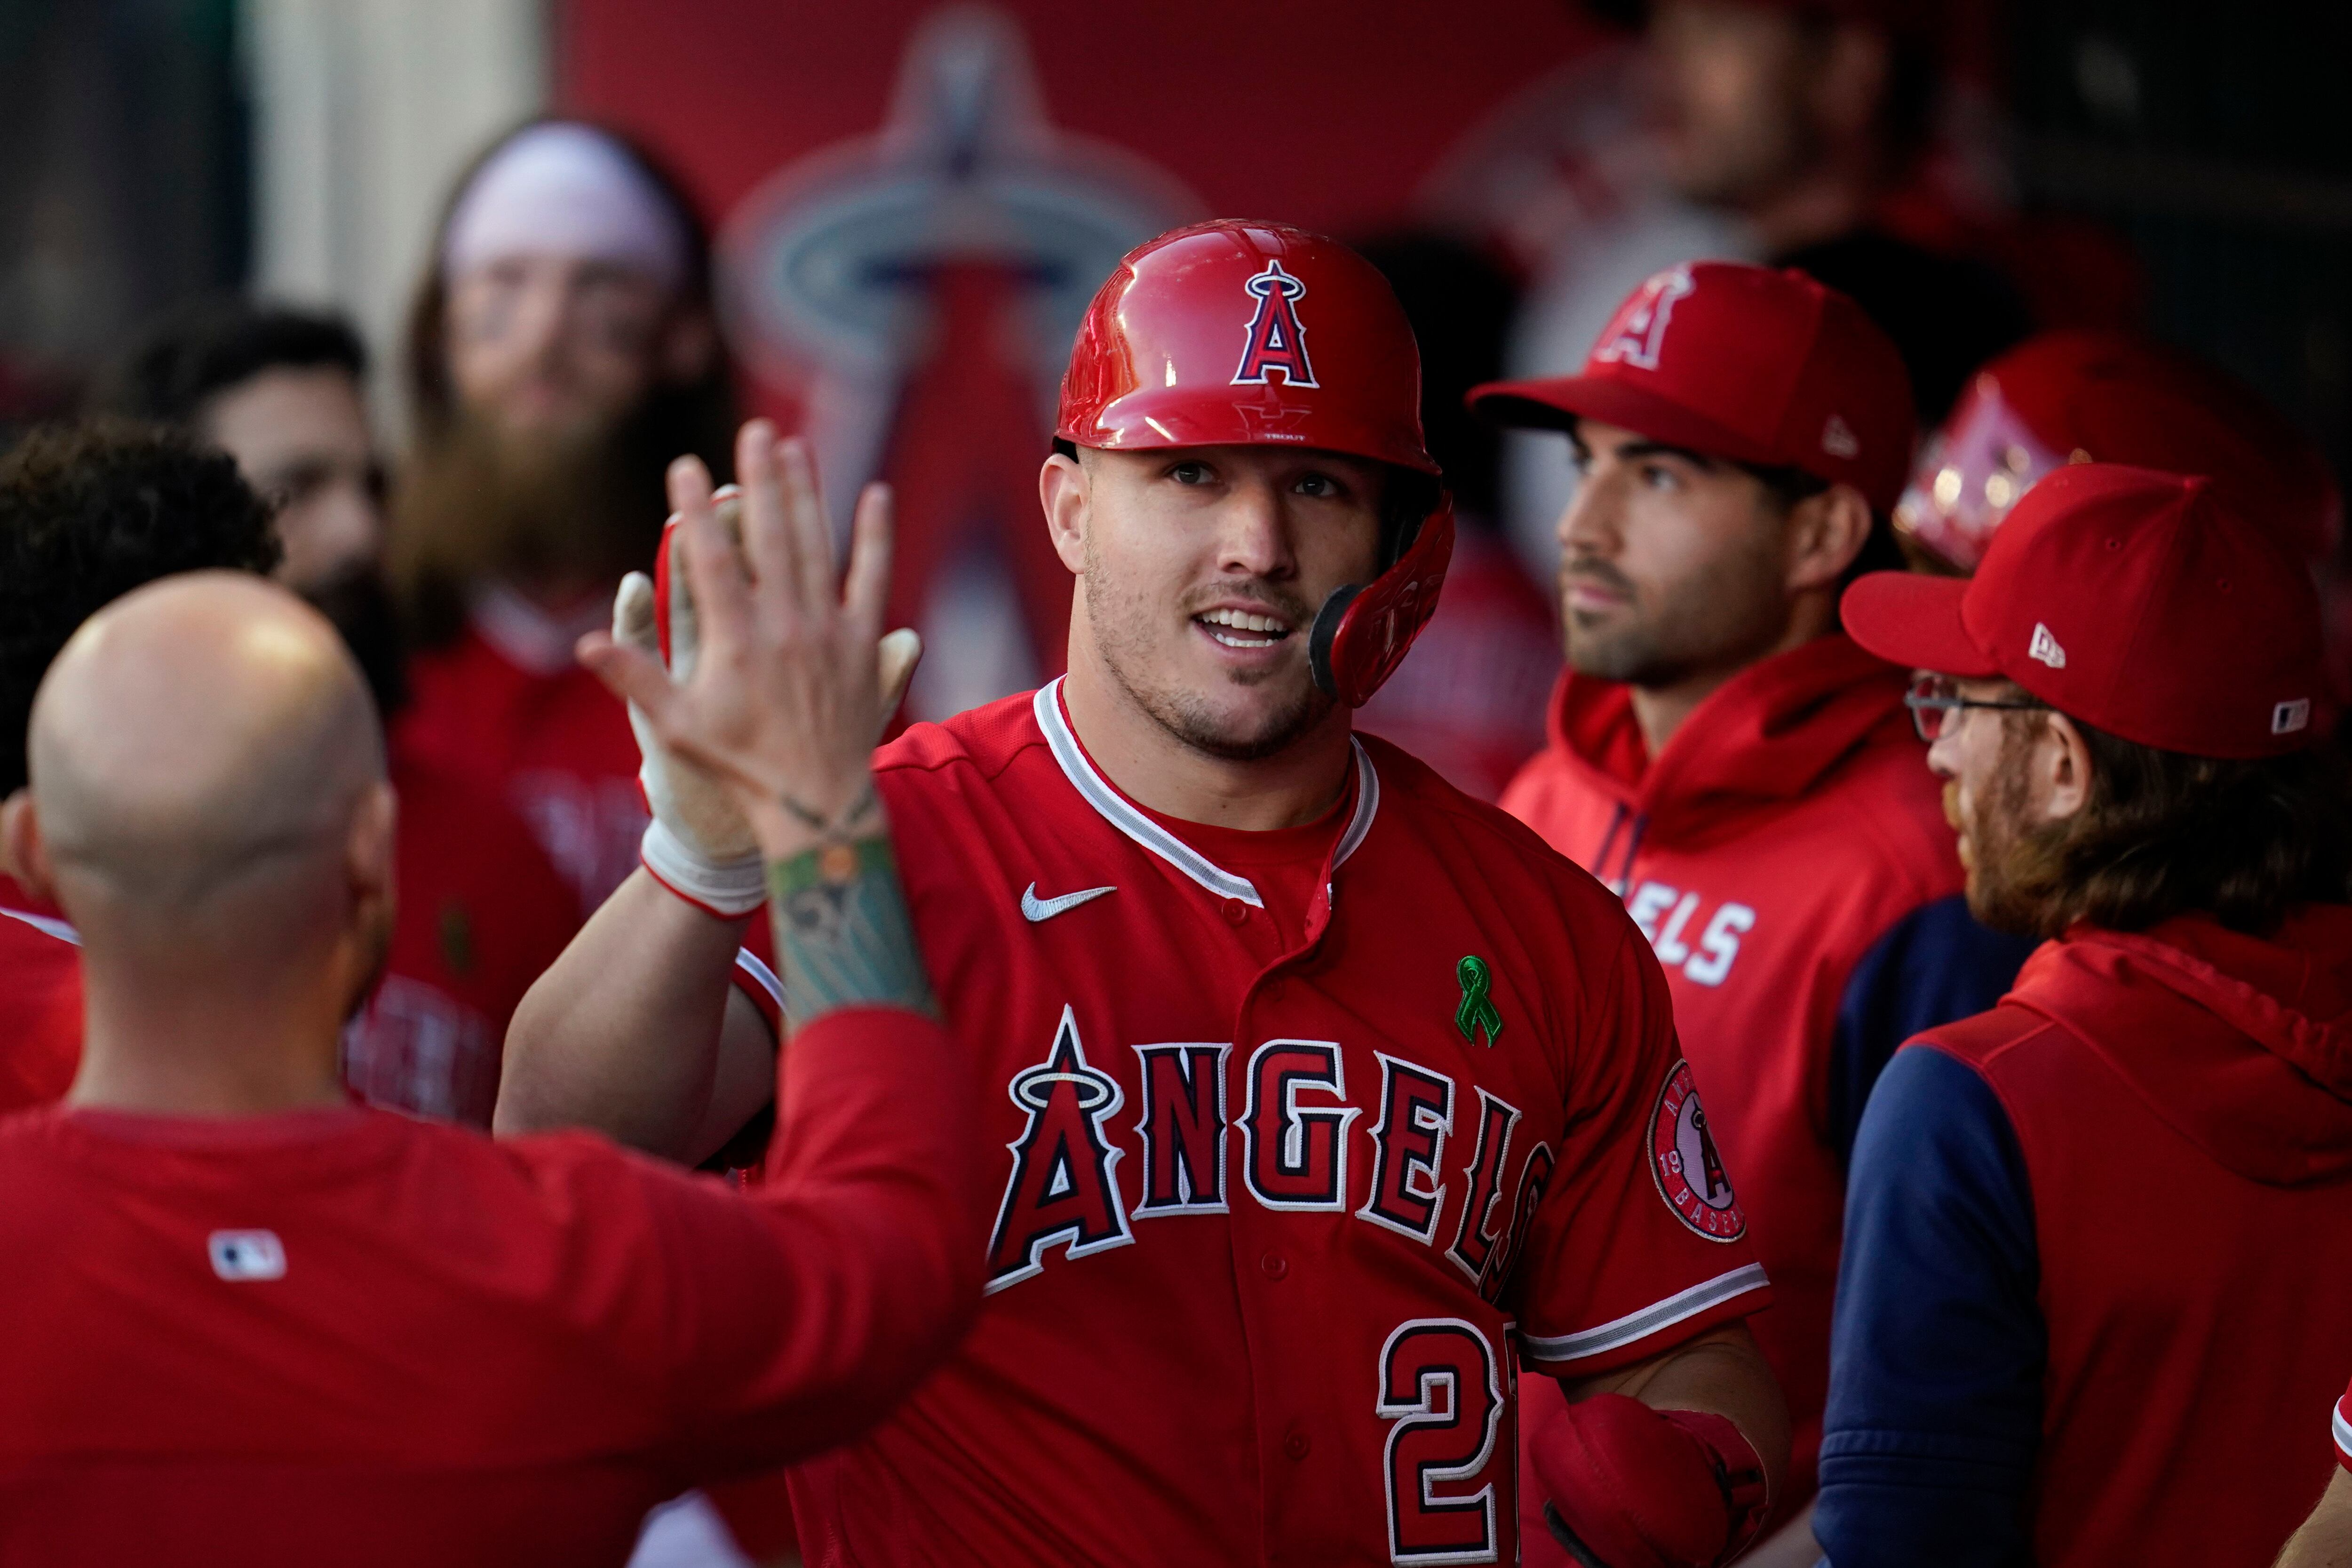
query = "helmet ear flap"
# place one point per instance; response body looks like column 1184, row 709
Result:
column 1363, row 630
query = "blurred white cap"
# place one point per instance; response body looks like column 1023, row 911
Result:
column 565, row 189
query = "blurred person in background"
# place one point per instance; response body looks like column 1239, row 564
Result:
column 561, row 351
column 1733, row 765
column 1470, row 702
column 1801, row 119
column 272, row 1326
column 482, row 913
column 2087, row 395
column 87, row 515
column 2096, row 1234
column 2094, row 395
column 284, row 393
column 1790, row 133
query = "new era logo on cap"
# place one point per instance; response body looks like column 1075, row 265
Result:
column 1838, row 440
column 2184, row 622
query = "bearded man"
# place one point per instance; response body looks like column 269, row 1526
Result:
column 560, row 353
column 2095, row 1234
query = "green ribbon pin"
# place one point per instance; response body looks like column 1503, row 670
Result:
column 1477, row 1010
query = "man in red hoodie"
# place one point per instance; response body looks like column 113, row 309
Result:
column 1739, row 771
column 2096, row 1234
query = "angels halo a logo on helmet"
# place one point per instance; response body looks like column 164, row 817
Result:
column 1277, row 340
column 1685, row 1165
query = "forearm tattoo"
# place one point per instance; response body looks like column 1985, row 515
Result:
column 843, row 934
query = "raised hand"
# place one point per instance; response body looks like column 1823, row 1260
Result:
column 782, row 707
column 698, row 845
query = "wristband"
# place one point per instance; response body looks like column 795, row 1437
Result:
column 729, row 889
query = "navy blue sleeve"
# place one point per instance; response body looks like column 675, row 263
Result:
column 1933, row 965
column 1937, row 1346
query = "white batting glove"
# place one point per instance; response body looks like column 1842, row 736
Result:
column 699, row 846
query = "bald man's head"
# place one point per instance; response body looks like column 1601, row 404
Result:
column 203, row 743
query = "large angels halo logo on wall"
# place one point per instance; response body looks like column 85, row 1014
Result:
column 917, row 289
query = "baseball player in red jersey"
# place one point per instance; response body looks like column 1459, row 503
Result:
column 268, row 1326
column 2325, row 1540
column 1329, row 1100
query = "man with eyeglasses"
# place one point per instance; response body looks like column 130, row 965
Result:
column 2094, row 1237
column 1733, row 765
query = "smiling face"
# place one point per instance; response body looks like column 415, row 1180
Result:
column 1673, row 566
column 1201, row 569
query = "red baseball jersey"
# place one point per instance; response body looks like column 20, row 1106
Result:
column 1295, row 1167
column 348, row 1336
column 507, row 703
column 482, row 914
column 41, row 1000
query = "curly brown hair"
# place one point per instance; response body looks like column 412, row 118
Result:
column 2166, row 834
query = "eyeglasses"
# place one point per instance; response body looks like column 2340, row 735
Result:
column 1935, row 703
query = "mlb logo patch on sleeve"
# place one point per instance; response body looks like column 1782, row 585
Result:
column 241, row 1255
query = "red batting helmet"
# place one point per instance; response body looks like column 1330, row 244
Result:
column 1240, row 333
column 2079, row 396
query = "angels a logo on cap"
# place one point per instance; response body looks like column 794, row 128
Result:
column 1277, row 339
column 1639, row 331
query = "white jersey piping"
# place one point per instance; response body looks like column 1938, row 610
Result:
column 1636, row 1326
column 1114, row 808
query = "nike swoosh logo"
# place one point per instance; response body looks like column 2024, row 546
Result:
column 1038, row 909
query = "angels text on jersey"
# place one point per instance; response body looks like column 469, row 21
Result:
column 1450, row 1166
column 1702, row 948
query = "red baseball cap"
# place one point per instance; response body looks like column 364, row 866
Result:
column 1744, row 363
column 2129, row 599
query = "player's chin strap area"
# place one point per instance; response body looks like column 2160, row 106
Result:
column 1363, row 630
